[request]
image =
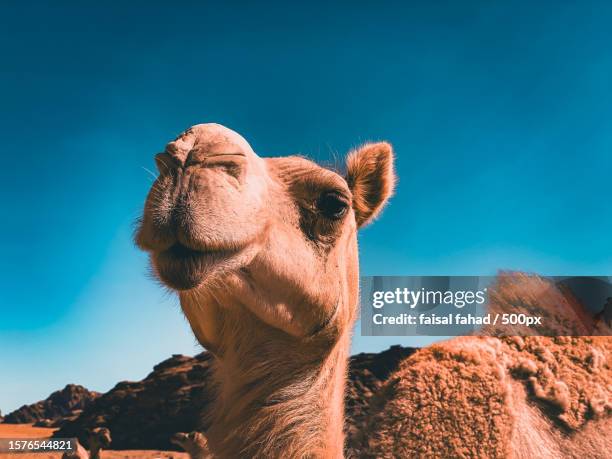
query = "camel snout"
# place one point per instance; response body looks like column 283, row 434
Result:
column 178, row 438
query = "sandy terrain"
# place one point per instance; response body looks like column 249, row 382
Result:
column 24, row 431
column 28, row 431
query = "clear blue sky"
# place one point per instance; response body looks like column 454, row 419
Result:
column 500, row 114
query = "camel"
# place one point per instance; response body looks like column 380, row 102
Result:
column 98, row 438
column 514, row 397
column 194, row 443
column 262, row 253
column 522, row 396
column 263, row 256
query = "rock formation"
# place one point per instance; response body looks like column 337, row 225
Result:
column 62, row 404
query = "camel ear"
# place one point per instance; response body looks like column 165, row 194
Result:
column 371, row 177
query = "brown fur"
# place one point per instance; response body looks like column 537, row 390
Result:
column 475, row 397
column 263, row 254
column 532, row 295
column 517, row 397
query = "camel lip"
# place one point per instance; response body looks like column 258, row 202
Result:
column 183, row 268
column 181, row 252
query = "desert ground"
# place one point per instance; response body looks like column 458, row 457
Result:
column 29, row 431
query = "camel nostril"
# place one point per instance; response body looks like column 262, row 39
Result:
column 218, row 158
column 234, row 164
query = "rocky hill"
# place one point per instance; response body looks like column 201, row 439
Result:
column 62, row 404
column 144, row 414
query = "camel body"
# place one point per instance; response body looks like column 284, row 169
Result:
column 98, row 438
column 545, row 391
column 79, row 453
column 488, row 397
column 194, row 443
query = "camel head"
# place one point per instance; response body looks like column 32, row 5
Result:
column 246, row 238
column 192, row 442
column 99, row 437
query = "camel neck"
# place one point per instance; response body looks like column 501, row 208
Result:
column 280, row 400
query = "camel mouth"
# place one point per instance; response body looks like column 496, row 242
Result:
column 178, row 438
column 181, row 252
column 184, row 268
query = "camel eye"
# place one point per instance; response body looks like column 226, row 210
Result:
column 331, row 205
